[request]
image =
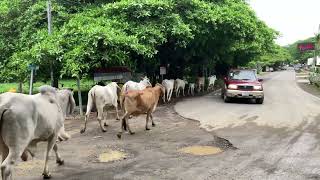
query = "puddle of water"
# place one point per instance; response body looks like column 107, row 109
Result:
column 111, row 155
column 201, row 150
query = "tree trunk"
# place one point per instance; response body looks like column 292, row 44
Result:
column 20, row 87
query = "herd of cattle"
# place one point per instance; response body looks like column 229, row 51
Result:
column 26, row 120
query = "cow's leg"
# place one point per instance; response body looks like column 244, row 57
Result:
column 183, row 91
column 51, row 142
column 5, row 151
column 84, row 127
column 86, row 117
column 63, row 136
column 147, row 121
column 126, row 121
column 153, row 124
column 123, row 124
column 9, row 159
column 129, row 129
column 105, row 115
column 100, row 118
column 115, row 104
column 11, row 150
column 59, row 160
column 170, row 94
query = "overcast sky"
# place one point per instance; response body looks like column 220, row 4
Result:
column 295, row 19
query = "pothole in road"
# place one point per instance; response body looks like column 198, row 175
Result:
column 112, row 155
column 201, row 150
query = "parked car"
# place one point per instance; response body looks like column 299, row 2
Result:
column 242, row 83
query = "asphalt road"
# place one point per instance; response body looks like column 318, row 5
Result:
column 276, row 140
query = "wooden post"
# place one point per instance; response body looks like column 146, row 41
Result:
column 79, row 96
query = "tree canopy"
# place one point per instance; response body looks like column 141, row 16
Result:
column 142, row 34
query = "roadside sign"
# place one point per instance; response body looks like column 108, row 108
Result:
column 306, row 46
column 163, row 70
column 33, row 67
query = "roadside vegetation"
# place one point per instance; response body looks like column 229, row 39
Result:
column 190, row 37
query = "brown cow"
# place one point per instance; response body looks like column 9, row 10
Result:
column 140, row 102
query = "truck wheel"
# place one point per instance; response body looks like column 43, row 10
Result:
column 226, row 99
column 259, row 100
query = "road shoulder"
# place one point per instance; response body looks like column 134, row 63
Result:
column 303, row 83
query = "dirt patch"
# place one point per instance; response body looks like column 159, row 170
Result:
column 201, row 150
column 28, row 167
column 112, row 155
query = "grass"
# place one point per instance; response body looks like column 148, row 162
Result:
column 85, row 85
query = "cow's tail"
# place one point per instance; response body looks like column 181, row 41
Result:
column 91, row 101
column 72, row 103
column 124, row 124
column 122, row 95
column 2, row 111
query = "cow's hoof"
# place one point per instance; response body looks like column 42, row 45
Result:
column 147, row 129
column 118, row 119
column 153, row 125
column 103, row 130
column 132, row 133
column 106, row 125
column 82, row 130
column 24, row 156
column 46, row 176
column 60, row 162
column 119, row 135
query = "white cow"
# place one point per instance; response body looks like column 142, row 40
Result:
column 132, row 86
column 67, row 103
column 169, row 86
column 26, row 120
column 191, row 89
column 101, row 97
column 180, row 84
column 200, row 83
column 212, row 80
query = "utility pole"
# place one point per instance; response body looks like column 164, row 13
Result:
column 316, row 44
column 49, row 32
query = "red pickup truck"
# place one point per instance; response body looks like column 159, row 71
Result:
column 242, row 83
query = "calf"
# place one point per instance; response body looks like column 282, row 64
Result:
column 26, row 120
column 101, row 97
column 180, row 84
column 141, row 102
column 169, row 86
